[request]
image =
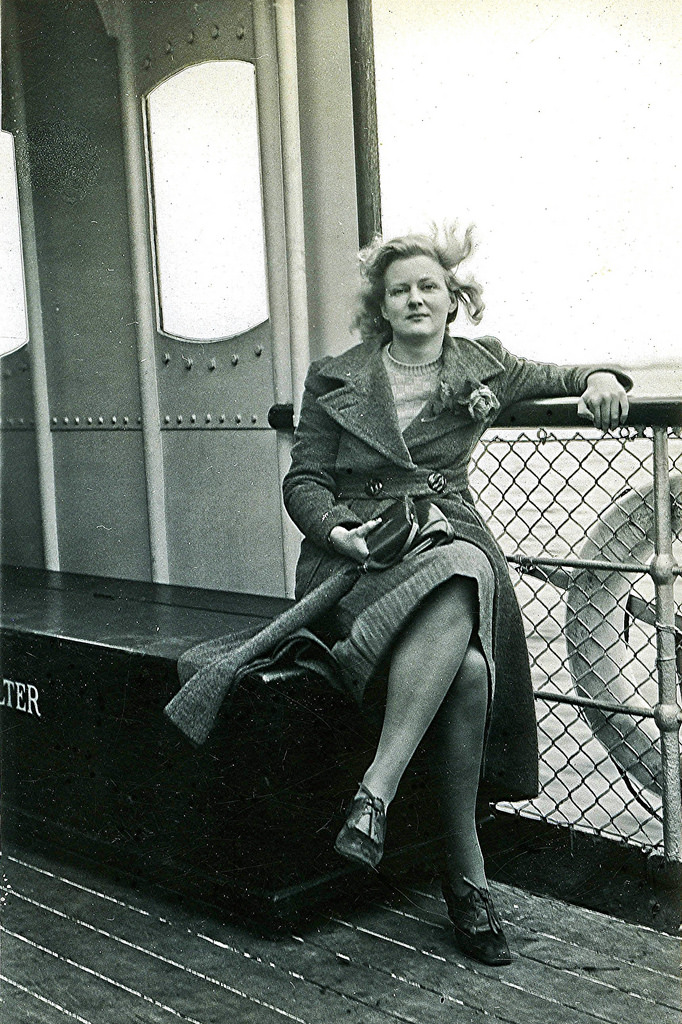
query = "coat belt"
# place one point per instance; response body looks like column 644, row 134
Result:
column 395, row 483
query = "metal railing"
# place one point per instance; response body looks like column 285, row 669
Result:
column 590, row 522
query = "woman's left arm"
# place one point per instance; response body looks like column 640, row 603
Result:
column 602, row 389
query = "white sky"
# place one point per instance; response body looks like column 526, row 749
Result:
column 554, row 126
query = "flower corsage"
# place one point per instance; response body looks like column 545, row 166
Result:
column 480, row 402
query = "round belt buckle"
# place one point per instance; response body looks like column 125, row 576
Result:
column 374, row 487
column 437, row 482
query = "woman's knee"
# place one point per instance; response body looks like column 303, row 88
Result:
column 472, row 678
column 453, row 603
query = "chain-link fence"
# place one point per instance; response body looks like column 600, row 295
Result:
column 577, row 514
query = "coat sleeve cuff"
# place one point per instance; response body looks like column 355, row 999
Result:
column 338, row 515
column 622, row 377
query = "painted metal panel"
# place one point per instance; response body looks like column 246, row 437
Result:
column 21, row 536
column 15, row 387
column 230, row 379
column 76, row 167
column 173, row 34
column 101, row 503
column 222, row 532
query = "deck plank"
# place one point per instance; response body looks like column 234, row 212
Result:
column 585, row 993
column 571, row 949
column 392, row 961
column 287, row 969
column 21, row 1005
column 56, row 976
column 134, row 988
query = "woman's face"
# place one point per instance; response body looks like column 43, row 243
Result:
column 416, row 299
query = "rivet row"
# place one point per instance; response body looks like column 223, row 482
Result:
column 212, row 364
column 190, row 39
column 114, row 420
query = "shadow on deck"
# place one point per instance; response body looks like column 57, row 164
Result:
column 77, row 946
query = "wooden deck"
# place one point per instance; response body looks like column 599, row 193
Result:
column 79, row 947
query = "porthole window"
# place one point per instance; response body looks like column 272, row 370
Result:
column 205, row 189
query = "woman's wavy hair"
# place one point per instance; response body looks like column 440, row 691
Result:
column 444, row 246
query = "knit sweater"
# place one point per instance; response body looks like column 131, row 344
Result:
column 412, row 384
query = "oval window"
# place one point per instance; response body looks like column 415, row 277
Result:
column 14, row 331
column 205, row 187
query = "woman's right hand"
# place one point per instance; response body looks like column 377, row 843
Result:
column 352, row 543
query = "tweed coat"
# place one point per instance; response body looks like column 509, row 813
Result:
column 350, row 460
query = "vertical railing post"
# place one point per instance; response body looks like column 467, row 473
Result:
column 666, row 711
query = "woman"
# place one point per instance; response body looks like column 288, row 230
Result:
column 400, row 415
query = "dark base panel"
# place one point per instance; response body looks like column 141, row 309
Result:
column 601, row 874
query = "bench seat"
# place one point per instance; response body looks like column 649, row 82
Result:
column 92, row 769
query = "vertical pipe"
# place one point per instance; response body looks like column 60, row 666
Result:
column 363, row 82
column 267, row 89
column 293, row 195
column 34, row 312
column 666, row 710
column 140, row 244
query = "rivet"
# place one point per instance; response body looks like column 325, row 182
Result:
column 139, row 419
column 189, row 363
column 254, row 418
column 100, row 420
column 179, row 419
column 240, row 32
column 166, row 419
column 76, row 420
column 125, row 421
column 208, row 417
column 166, row 357
column 222, row 417
column 234, row 360
column 190, row 37
column 215, row 32
column 147, row 63
column 21, row 421
column 258, row 350
column 89, row 421
column 237, row 418
column 193, row 418
column 113, row 419
column 66, row 419
column 212, row 365
column 10, row 421
column 54, row 420
column 169, row 47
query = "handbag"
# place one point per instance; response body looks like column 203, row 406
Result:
column 392, row 538
column 407, row 528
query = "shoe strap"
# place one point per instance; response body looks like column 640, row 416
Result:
column 487, row 900
column 373, row 808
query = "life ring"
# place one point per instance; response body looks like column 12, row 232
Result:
column 599, row 655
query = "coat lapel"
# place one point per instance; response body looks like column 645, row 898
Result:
column 466, row 362
column 364, row 404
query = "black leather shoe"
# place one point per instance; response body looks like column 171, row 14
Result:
column 478, row 930
column 362, row 837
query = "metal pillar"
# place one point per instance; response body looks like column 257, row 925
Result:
column 267, row 88
column 666, row 711
column 136, row 182
column 34, row 310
